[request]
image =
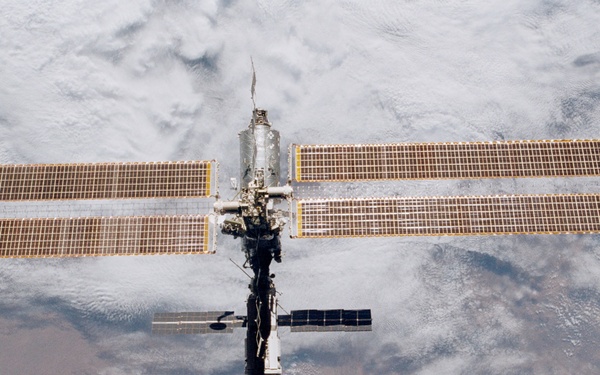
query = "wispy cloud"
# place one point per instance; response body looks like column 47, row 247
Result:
column 170, row 80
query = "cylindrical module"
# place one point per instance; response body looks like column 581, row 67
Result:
column 259, row 150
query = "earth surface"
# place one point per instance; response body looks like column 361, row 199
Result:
column 153, row 80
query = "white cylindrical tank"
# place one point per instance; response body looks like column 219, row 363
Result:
column 259, row 149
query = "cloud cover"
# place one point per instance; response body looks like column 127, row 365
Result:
column 169, row 80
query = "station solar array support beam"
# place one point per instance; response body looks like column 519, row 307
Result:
column 463, row 160
column 442, row 216
column 185, row 179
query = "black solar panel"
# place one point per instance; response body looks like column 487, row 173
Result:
column 327, row 320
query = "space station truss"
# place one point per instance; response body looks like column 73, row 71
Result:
column 446, row 216
column 458, row 160
column 140, row 180
column 102, row 236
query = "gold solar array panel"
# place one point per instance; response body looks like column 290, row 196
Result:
column 106, row 180
column 97, row 236
column 440, row 216
column 546, row 158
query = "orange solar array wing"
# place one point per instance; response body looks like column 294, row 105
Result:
column 461, row 160
column 98, row 236
column 441, row 216
column 106, row 180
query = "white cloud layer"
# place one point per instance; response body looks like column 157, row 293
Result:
column 170, row 80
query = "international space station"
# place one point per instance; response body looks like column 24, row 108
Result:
column 256, row 215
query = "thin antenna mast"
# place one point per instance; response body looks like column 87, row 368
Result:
column 253, row 87
column 252, row 95
column 241, row 269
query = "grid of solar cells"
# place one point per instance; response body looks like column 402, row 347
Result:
column 464, row 160
column 196, row 322
column 97, row 236
column 439, row 216
column 327, row 320
column 105, row 180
